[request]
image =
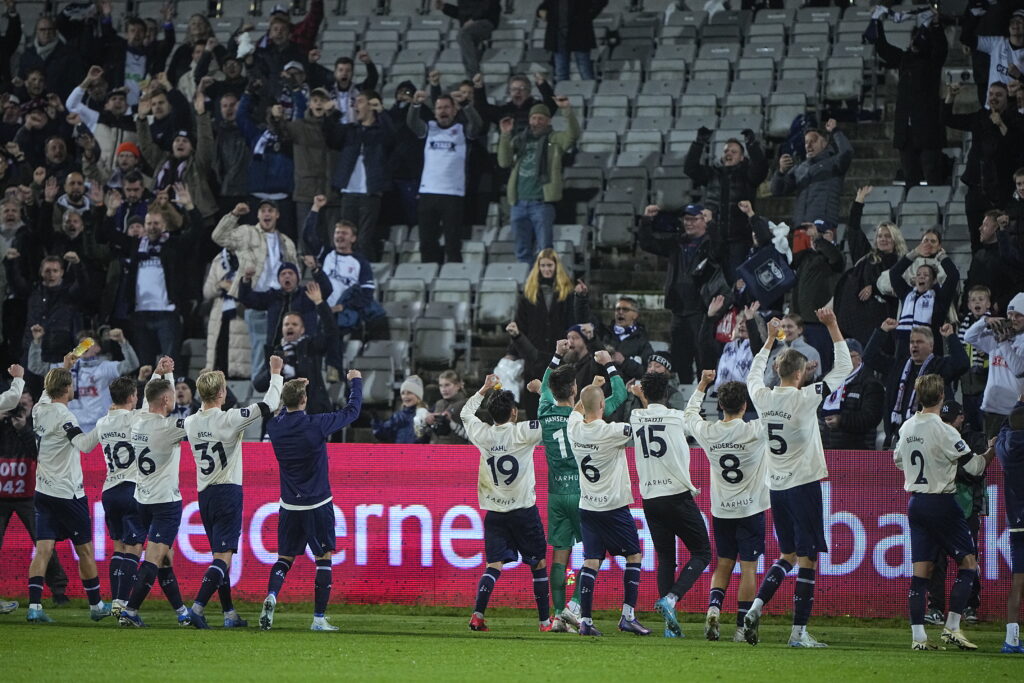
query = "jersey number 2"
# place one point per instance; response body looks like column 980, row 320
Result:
column 209, row 464
column 917, row 458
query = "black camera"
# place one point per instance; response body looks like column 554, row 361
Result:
column 442, row 425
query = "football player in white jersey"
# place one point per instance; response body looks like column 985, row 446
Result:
column 605, row 495
column 120, row 509
column 796, row 466
column 663, row 467
column 156, row 441
column 739, row 496
column 928, row 451
column 62, row 510
column 216, row 439
column 506, row 490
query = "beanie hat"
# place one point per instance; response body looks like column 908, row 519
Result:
column 540, row 109
column 1016, row 304
column 854, row 346
column 187, row 134
column 285, row 265
column 660, row 359
column 414, row 385
column 129, row 147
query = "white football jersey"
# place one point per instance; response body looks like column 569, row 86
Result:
column 736, row 454
column 506, row 479
column 790, row 416
column 600, row 451
column 9, row 399
column 61, row 444
column 927, row 450
column 216, row 437
column 114, row 432
column 661, row 452
column 157, row 443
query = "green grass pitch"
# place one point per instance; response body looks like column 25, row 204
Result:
column 419, row 643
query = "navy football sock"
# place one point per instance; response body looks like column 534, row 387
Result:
column 92, row 590
column 631, row 584
column 961, row 591
column 803, row 596
column 277, row 574
column 772, row 580
column 541, row 593
column 688, row 575
column 588, row 578
column 742, row 607
column 116, row 572
column 916, row 599
column 716, row 598
column 169, row 585
column 147, row 575
column 35, row 590
column 215, row 574
column 322, row 587
column 484, row 589
column 129, row 574
column 224, row 593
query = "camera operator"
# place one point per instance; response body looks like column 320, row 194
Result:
column 445, row 422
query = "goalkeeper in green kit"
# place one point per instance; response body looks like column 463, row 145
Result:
column 557, row 396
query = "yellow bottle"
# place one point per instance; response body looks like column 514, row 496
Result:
column 780, row 335
column 497, row 386
column 83, row 346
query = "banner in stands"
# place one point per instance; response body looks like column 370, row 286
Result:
column 409, row 532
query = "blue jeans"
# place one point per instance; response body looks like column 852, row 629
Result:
column 155, row 334
column 584, row 64
column 256, row 321
column 531, row 225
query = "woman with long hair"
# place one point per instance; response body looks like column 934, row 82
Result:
column 544, row 313
column 859, row 305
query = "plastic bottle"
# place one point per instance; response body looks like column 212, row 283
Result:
column 83, row 346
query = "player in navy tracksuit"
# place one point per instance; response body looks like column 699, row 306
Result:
column 307, row 515
column 1010, row 451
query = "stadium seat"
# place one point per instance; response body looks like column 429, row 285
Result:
column 766, row 32
column 397, row 351
column 403, row 289
column 435, row 340
column 496, row 301
column 402, row 316
column 782, row 109
column 739, row 103
column 929, row 193
column 717, row 87
column 516, row 272
column 420, row 271
column 378, row 379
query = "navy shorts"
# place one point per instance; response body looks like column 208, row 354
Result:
column 937, row 523
column 62, row 518
column 220, row 508
column 741, row 537
column 121, row 512
column 297, row 529
column 514, row 534
column 799, row 520
column 1017, row 552
column 161, row 521
column 611, row 532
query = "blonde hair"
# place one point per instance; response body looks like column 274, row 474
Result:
column 293, row 393
column 899, row 243
column 563, row 285
column 790, row 362
column 57, row 382
column 209, row 385
column 930, row 389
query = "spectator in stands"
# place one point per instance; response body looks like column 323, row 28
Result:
column 817, row 181
column 818, row 269
column 901, row 367
column 263, row 248
column 443, row 181
column 228, row 347
column 445, row 422
column 919, row 135
column 363, row 171
column 794, row 327
column 859, row 305
column 997, row 138
column 1000, row 339
column 972, row 385
column 736, row 356
column 569, row 29
column 674, row 397
column 340, row 86
column 625, row 338
column 694, row 278
column 271, row 171
column 303, row 351
column 535, row 184
column 1003, row 51
column 128, row 61
column 546, row 308
column 56, row 301
column 232, row 155
column 477, row 20
column 62, row 65
column 199, row 34
column 989, row 265
column 157, row 296
column 287, row 299
column 588, row 362
column 110, row 126
column 409, row 423
column 170, row 111
column 272, row 55
column 520, row 100
column 309, row 149
column 124, row 159
column 407, row 159
column 925, row 297
column 135, row 198
column 853, row 411
column 9, row 43
column 733, row 178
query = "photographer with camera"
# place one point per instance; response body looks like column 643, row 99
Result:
column 695, row 276
column 732, row 178
column 445, row 422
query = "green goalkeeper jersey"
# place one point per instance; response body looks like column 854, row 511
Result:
column 563, row 472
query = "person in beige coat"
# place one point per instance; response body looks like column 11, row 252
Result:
column 227, row 338
column 262, row 248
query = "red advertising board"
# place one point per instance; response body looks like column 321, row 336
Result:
column 409, row 532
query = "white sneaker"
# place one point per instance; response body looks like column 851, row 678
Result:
column 957, row 638
column 321, row 624
column 806, row 640
column 740, row 636
column 711, row 623
column 116, row 607
column 570, row 617
column 267, row 613
column 8, row 607
column 924, row 645
column 560, row 625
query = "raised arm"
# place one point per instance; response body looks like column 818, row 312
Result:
column 843, row 366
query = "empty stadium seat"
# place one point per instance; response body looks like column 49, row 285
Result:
column 496, row 301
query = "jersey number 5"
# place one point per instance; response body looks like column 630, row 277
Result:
column 651, row 444
column 209, row 464
column 778, row 444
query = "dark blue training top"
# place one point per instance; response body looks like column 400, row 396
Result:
column 1010, row 451
column 300, row 444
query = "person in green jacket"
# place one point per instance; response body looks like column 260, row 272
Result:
column 535, row 183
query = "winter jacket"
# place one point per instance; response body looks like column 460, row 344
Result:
column 58, row 309
column 64, row 68
column 694, row 276
column 518, row 113
column 559, row 142
column 231, row 162
column 115, row 49
column 817, row 271
column 726, row 186
column 578, row 22
column 250, row 246
column 278, row 303
column 539, row 328
column 455, row 432
column 636, row 348
column 817, row 182
column 110, row 132
column 993, row 157
column 311, row 154
column 860, row 413
column 239, row 346
column 945, row 294
column 406, row 425
column 197, row 168
column 374, row 143
column 271, row 168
